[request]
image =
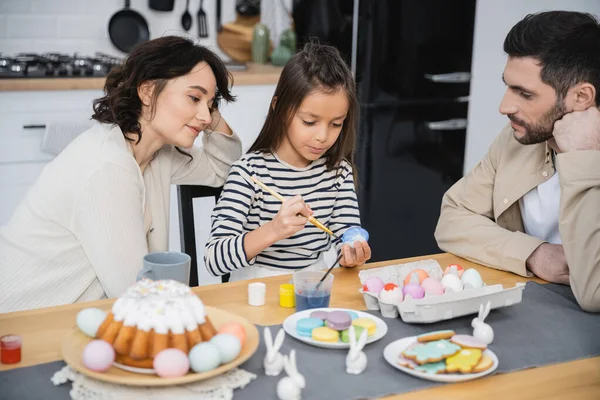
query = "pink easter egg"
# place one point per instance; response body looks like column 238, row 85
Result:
column 413, row 290
column 374, row 284
column 98, row 356
column 432, row 286
column 171, row 363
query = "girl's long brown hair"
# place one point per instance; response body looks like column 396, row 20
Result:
column 317, row 67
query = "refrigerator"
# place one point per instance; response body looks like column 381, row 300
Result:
column 412, row 62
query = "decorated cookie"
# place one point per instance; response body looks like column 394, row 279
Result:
column 468, row 342
column 485, row 363
column 432, row 368
column 436, row 335
column 432, row 352
column 305, row 326
column 325, row 334
column 407, row 362
column 366, row 323
column 464, row 361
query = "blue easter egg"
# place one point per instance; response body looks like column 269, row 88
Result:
column 229, row 346
column 204, row 357
column 355, row 233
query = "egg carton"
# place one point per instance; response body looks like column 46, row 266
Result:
column 434, row 308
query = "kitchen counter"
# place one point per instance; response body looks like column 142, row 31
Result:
column 256, row 74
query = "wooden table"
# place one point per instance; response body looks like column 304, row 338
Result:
column 42, row 331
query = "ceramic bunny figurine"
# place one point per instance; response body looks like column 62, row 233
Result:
column 481, row 330
column 356, row 360
column 274, row 359
column 290, row 387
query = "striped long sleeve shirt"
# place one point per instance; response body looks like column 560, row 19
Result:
column 244, row 206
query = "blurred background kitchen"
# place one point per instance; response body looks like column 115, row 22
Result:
column 428, row 71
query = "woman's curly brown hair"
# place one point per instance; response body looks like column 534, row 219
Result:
column 157, row 60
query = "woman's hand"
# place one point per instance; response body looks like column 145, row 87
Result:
column 354, row 256
column 219, row 124
column 291, row 218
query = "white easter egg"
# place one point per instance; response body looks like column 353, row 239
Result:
column 89, row 320
column 472, row 279
column 452, row 282
column 229, row 346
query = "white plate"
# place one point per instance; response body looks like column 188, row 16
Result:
column 137, row 370
column 289, row 325
column 393, row 350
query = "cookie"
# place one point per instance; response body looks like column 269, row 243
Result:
column 433, row 336
column 305, row 326
column 407, row 362
column 464, row 361
column 432, row 368
column 432, row 352
column 485, row 363
column 468, row 342
column 325, row 334
column 338, row 320
column 366, row 323
column 345, row 336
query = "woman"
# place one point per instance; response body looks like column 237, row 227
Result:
column 83, row 229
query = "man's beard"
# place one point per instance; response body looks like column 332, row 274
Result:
column 542, row 130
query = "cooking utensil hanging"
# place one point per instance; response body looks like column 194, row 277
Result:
column 186, row 18
column 127, row 28
column 202, row 21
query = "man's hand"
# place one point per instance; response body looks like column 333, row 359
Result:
column 578, row 130
column 549, row 263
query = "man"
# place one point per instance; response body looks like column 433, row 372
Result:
column 532, row 205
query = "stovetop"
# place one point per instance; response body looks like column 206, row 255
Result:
column 56, row 65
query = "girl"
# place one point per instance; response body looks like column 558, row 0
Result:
column 304, row 152
column 102, row 204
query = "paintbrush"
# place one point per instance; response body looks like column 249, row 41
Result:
column 329, row 270
column 312, row 219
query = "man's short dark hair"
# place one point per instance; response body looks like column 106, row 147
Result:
column 567, row 45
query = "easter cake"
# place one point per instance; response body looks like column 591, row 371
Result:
column 153, row 316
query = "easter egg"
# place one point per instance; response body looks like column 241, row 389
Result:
column 414, row 290
column 354, row 234
column 98, row 356
column 452, row 282
column 373, row 284
column 229, row 346
column 454, row 269
column 89, row 320
column 421, row 274
column 391, row 294
column 432, row 286
column 171, row 363
column 204, row 357
column 471, row 279
column 236, row 329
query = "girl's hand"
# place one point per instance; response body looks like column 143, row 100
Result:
column 352, row 257
column 291, row 218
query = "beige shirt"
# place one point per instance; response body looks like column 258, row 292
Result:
column 481, row 220
column 82, row 230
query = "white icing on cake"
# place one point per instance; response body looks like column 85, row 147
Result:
column 160, row 305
